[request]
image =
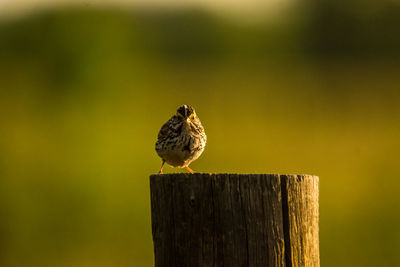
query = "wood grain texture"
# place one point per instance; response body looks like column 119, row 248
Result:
column 235, row 219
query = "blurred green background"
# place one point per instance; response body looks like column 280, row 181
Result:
column 312, row 87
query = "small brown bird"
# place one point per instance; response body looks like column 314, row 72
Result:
column 181, row 139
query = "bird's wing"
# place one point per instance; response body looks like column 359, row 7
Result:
column 165, row 130
column 171, row 129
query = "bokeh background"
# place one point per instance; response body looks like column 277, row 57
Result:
column 280, row 86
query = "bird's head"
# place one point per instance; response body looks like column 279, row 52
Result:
column 187, row 114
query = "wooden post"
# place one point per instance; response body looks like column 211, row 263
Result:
column 235, row 220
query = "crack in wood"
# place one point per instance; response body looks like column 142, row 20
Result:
column 286, row 221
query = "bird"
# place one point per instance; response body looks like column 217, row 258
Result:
column 181, row 139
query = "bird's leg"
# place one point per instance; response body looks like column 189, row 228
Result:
column 163, row 161
column 189, row 169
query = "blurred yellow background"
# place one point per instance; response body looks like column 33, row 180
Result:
column 299, row 87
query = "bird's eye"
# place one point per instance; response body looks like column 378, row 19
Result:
column 191, row 116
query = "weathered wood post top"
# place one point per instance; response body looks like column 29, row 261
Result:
column 235, row 219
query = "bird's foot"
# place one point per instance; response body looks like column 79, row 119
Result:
column 189, row 169
column 160, row 172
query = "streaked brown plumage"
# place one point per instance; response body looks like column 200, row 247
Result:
column 181, row 139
